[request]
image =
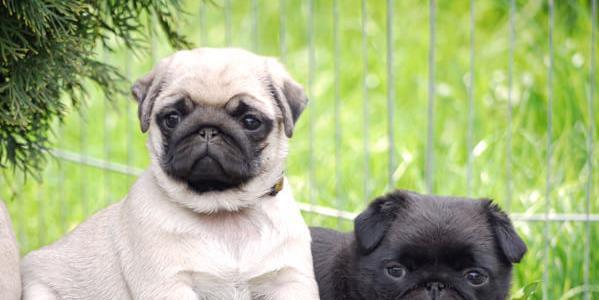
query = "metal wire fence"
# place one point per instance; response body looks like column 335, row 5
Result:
column 360, row 118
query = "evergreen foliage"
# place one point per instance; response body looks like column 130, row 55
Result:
column 47, row 50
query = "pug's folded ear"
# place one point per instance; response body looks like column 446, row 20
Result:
column 145, row 91
column 511, row 245
column 371, row 225
column 288, row 94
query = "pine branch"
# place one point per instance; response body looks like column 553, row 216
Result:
column 47, row 49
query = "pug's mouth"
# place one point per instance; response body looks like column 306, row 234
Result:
column 207, row 175
column 421, row 292
column 204, row 186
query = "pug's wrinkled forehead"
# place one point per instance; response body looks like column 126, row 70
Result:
column 211, row 76
column 214, row 77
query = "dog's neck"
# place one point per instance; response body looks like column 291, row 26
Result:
column 276, row 188
column 248, row 195
column 147, row 197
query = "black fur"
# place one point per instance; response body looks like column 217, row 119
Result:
column 435, row 239
column 226, row 161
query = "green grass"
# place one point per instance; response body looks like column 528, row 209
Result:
column 109, row 129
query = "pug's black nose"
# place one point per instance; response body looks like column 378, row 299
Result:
column 208, row 133
column 434, row 289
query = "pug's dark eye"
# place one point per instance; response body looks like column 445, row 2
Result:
column 476, row 277
column 171, row 120
column 251, row 122
column 396, row 271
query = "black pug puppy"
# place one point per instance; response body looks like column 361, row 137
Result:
column 412, row 246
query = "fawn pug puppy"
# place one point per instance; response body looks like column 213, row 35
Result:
column 10, row 277
column 212, row 218
column 412, row 246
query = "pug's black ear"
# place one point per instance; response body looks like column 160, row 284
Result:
column 371, row 225
column 145, row 91
column 510, row 243
column 288, row 94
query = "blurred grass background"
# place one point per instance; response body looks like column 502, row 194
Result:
column 348, row 173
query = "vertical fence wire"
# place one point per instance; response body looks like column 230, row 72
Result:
column 255, row 26
column 431, row 98
column 152, row 20
column 549, row 152
column 61, row 190
column 311, row 66
column 128, row 127
column 365, row 109
column 591, row 134
column 510, row 72
column 18, row 197
column 338, row 196
column 470, row 133
column 60, row 187
column 106, row 141
column 202, row 21
column 282, row 30
column 228, row 38
column 390, row 93
column 83, row 165
column 41, row 211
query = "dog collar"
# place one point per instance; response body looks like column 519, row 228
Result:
column 275, row 189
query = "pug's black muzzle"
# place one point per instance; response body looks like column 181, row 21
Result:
column 208, row 155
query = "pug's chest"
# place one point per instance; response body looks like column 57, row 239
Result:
column 237, row 274
column 225, row 285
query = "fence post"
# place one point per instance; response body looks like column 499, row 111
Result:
column 390, row 93
column 549, row 152
column 589, row 185
column 429, row 167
